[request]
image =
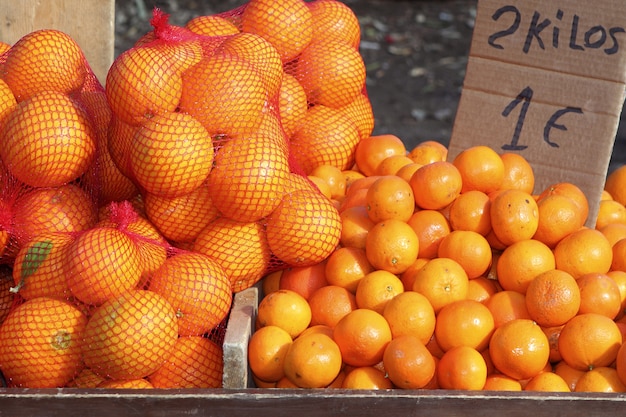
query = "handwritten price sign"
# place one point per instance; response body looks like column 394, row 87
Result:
column 547, row 80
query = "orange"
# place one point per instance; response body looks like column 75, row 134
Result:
column 610, row 211
column 371, row 151
column 66, row 208
column 442, row 281
column 618, row 262
column 481, row 169
column 425, row 154
column 334, row 177
column 249, row 177
column 266, row 352
column 318, row 328
column 471, row 211
column 553, row 334
column 102, row 263
column 615, row 184
column 514, row 216
column 361, row 113
column 330, row 304
column 362, row 336
column 240, row 248
column 44, row 154
column 38, row 268
column 151, row 244
column 7, row 100
column 390, row 197
column 408, row 276
column 321, row 184
column 569, row 374
column 44, row 60
column 356, row 223
column 304, row 280
column 331, row 72
column 431, row 226
column 522, row 261
column 346, row 266
column 481, row 289
column 518, row 173
column 212, row 25
column 519, row 349
column 570, row 190
column 410, row 314
column 257, row 51
column 392, row 165
column 195, row 362
column 120, row 136
column 197, row 288
column 334, row 20
column 547, row 381
column 620, row 363
column 599, row 294
column 7, row 297
column 271, row 282
column 226, row 94
column 464, row 323
column 559, row 216
column 470, row 249
column 620, row 279
column 286, row 25
column 391, row 245
column 462, row 368
column 286, row 309
column 499, row 382
column 312, row 361
column 139, row 383
column 366, row 377
column 304, row 229
column 436, row 185
column 292, row 104
column 130, row 336
column 171, row 155
column 589, row 340
column 507, row 305
column 406, row 171
column 326, row 136
column 408, row 363
column 553, row 298
column 583, row 251
column 376, row 289
column 86, row 379
column 600, row 379
column 143, row 82
column 182, row 218
column 42, row 353
column 353, row 198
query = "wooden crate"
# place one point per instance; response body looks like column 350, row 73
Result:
column 94, row 31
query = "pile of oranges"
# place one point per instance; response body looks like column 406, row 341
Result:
column 452, row 274
column 130, row 214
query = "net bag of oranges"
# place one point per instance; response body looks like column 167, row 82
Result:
column 130, row 214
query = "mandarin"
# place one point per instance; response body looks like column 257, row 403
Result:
column 408, row 363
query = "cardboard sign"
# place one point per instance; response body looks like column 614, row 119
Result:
column 90, row 23
column 546, row 80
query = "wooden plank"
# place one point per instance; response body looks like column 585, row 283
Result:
column 238, row 332
column 304, row 403
column 90, row 22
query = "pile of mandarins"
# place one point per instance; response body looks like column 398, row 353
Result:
column 239, row 148
column 451, row 274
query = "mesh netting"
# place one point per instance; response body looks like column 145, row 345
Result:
column 129, row 215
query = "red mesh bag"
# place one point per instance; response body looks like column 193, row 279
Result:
column 130, row 215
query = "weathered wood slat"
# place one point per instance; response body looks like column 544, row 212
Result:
column 304, row 403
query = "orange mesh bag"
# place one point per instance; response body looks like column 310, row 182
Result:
column 219, row 124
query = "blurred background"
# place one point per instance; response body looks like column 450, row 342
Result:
column 415, row 53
